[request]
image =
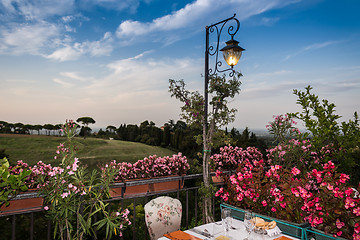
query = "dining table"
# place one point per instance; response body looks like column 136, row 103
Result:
column 215, row 231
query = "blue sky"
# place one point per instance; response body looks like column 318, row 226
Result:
column 112, row 59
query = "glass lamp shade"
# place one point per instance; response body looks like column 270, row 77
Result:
column 232, row 52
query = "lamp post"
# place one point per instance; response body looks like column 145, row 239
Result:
column 231, row 52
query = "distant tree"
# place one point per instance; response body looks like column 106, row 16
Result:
column 111, row 129
column 57, row 127
column 132, row 132
column 11, row 127
column 121, row 132
column 28, row 128
column 85, row 121
column 171, row 123
column 166, row 136
column 48, row 128
column 38, row 128
column 85, row 131
column 19, row 127
column 3, row 127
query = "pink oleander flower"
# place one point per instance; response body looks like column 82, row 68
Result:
column 339, row 224
column 295, row 171
column 65, row 195
column 356, row 211
column 349, row 202
column 264, row 203
column 329, row 165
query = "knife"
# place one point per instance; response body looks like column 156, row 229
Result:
column 198, row 231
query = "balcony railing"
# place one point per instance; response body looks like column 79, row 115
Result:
column 31, row 223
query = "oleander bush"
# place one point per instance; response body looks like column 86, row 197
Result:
column 321, row 196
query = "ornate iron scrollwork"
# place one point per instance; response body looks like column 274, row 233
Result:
column 213, row 49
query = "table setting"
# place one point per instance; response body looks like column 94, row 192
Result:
column 229, row 228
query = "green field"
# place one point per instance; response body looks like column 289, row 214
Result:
column 91, row 151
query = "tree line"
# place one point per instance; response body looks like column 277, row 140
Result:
column 50, row 129
column 177, row 136
column 21, row 128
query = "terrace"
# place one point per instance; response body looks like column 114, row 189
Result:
column 31, row 224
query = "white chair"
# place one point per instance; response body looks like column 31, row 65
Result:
column 162, row 215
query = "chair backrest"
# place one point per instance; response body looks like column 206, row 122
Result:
column 162, row 215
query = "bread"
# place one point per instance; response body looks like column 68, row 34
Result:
column 257, row 220
column 262, row 224
column 271, row 225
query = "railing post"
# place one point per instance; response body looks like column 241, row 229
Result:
column 13, row 227
column 49, row 230
column 187, row 209
column 31, row 226
column 196, row 199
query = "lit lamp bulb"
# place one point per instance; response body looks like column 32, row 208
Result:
column 232, row 52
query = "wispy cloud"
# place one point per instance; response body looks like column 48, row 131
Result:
column 126, row 75
column 75, row 76
column 120, row 5
column 27, row 38
column 63, row 83
column 49, row 28
column 194, row 14
column 312, row 47
column 37, row 9
column 102, row 47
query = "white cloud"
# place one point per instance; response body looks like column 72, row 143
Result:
column 102, row 47
column 197, row 14
column 37, row 9
column 28, row 38
column 65, row 54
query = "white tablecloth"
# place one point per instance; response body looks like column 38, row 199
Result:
column 239, row 233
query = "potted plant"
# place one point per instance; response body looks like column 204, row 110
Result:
column 11, row 184
column 149, row 168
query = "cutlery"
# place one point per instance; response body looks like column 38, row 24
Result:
column 204, row 233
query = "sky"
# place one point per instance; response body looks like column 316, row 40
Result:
column 112, row 59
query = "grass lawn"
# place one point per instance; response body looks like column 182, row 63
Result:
column 91, row 151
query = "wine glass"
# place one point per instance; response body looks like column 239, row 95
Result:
column 249, row 223
column 226, row 218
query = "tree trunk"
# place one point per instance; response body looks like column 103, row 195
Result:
column 207, row 207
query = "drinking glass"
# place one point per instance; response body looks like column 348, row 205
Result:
column 249, row 223
column 226, row 218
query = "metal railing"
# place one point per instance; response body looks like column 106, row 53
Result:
column 187, row 192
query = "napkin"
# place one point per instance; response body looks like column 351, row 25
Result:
column 273, row 232
column 282, row 238
column 180, row 235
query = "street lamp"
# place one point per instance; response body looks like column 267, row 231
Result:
column 231, row 53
